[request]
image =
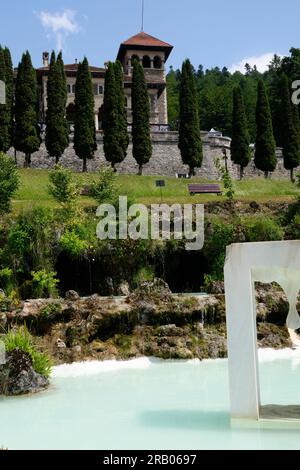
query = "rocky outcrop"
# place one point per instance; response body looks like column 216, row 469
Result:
column 17, row 376
column 150, row 321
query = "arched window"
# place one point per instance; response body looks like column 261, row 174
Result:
column 146, row 62
column 133, row 58
column 157, row 62
column 126, row 102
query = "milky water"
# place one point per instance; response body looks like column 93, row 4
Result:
column 150, row 404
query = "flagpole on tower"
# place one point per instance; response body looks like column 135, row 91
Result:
column 143, row 10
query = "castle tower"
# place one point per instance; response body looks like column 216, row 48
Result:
column 153, row 54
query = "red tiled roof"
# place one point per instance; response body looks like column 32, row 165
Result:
column 74, row 68
column 144, row 39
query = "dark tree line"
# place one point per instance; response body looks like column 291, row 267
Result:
column 263, row 101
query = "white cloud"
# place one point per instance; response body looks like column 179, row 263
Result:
column 61, row 24
column 261, row 62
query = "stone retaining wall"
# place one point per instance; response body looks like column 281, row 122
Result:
column 165, row 161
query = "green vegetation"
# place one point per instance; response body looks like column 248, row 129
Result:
column 114, row 123
column 22, row 340
column 141, row 138
column 265, row 150
column 190, row 143
column 9, row 85
column 57, row 129
column 104, row 188
column 9, row 182
column 64, row 190
column 27, row 133
column 5, row 118
column 85, row 131
column 240, row 151
column 226, row 179
column 141, row 189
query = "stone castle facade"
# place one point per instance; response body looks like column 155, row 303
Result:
column 151, row 52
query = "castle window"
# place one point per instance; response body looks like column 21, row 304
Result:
column 146, row 62
column 157, row 62
column 71, row 89
column 98, row 89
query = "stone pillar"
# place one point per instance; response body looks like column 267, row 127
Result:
column 151, row 63
column 97, row 122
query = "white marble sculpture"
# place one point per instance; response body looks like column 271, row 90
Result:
column 245, row 264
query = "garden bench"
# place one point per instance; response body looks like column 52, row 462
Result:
column 204, row 189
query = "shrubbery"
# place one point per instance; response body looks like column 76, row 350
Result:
column 22, row 340
column 9, row 182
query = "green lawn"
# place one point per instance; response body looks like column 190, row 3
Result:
column 141, row 189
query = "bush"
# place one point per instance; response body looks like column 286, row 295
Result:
column 61, row 185
column 30, row 241
column 44, row 284
column 218, row 236
column 262, row 229
column 22, row 340
column 6, row 279
column 71, row 242
column 9, row 182
column 105, row 189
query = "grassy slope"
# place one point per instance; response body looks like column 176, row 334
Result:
column 33, row 190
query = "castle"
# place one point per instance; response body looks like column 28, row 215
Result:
column 166, row 159
column 150, row 51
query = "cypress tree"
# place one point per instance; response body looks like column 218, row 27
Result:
column 190, row 143
column 141, row 135
column 265, row 149
column 85, row 131
column 121, row 108
column 57, row 137
column 240, row 151
column 9, row 92
column 112, row 150
column 27, row 132
column 4, row 110
column 114, row 122
column 290, row 136
column 296, row 121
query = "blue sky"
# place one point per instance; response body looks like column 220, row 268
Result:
column 219, row 32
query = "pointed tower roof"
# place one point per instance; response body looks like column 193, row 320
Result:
column 144, row 41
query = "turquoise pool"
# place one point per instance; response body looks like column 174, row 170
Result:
column 150, row 404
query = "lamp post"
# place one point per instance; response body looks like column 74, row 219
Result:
column 225, row 159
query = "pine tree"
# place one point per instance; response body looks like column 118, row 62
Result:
column 240, row 151
column 121, row 108
column 57, row 138
column 141, row 135
column 85, row 131
column 4, row 110
column 265, row 149
column 290, row 137
column 27, row 132
column 9, row 92
column 190, row 143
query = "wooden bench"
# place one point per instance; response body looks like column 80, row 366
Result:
column 205, row 189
